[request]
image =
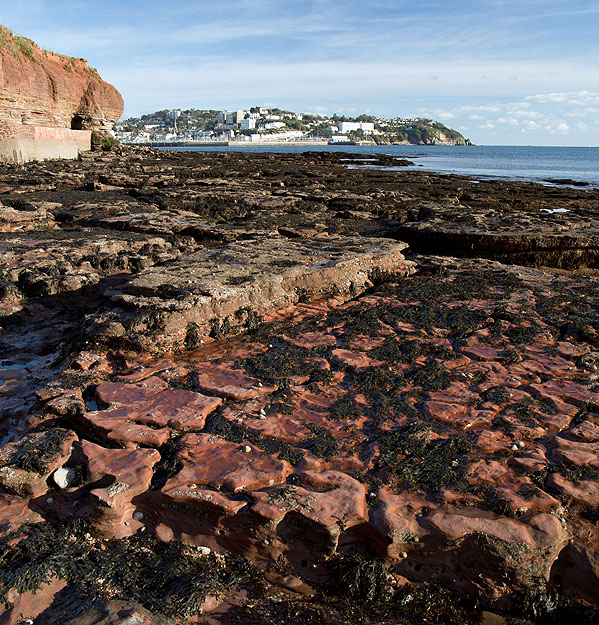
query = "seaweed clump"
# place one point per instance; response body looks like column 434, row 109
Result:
column 422, row 462
column 33, row 452
column 167, row 578
column 281, row 362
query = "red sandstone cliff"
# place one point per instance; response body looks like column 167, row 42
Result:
column 42, row 88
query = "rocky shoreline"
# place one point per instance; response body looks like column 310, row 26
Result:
column 267, row 388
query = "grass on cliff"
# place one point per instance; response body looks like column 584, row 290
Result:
column 16, row 45
column 22, row 46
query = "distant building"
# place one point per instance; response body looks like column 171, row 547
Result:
column 234, row 117
column 366, row 127
column 174, row 114
column 273, row 125
column 339, row 138
column 247, row 124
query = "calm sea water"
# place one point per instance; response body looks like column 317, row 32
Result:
column 504, row 162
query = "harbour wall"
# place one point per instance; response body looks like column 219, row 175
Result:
column 21, row 143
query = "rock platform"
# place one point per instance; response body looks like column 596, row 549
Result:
column 230, row 392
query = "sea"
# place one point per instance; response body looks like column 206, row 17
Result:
column 530, row 163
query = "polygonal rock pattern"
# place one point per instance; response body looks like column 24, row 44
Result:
column 445, row 422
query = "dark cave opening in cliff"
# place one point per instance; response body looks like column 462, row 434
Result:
column 77, row 122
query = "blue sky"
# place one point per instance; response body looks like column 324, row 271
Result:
column 500, row 71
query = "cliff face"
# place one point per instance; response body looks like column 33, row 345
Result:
column 41, row 88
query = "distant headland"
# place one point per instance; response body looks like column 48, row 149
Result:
column 274, row 126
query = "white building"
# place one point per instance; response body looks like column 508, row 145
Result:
column 247, row 124
column 366, row 127
column 273, row 125
column 339, row 138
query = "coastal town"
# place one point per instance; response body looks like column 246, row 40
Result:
column 262, row 125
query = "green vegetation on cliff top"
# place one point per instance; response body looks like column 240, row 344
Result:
column 23, row 47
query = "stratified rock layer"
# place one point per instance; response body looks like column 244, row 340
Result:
column 41, row 88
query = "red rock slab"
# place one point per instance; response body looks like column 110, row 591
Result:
column 577, row 567
column 132, row 471
column 577, row 457
column 587, row 431
column 358, row 360
column 231, row 383
column 331, row 499
column 68, row 402
column 585, row 493
column 310, row 340
column 114, row 426
column 91, row 361
column 492, row 441
column 211, row 461
column 135, row 435
column 569, row 350
column 522, row 375
column 343, row 265
column 519, row 491
column 396, row 518
column 540, row 530
column 169, row 407
column 14, row 512
column 569, row 392
column 308, row 409
column 29, row 605
column 576, row 452
column 458, row 415
column 145, row 370
column 532, row 460
column 28, row 483
column 130, row 466
column 482, row 351
column 197, row 497
column 456, row 392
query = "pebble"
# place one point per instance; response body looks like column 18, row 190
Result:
column 515, row 448
column 521, row 445
column 247, row 449
column 138, row 515
column 50, row 501
column 64, row 477
column 262, row 417
column 205, row 551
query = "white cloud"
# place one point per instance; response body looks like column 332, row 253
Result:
column 487, row 126
column 574, row 98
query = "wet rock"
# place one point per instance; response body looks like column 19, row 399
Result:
column 27, row 463
column 235, row 286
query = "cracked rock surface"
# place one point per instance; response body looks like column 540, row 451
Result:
column 268, row 407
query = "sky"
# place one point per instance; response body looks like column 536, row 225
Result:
column 503, row 72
